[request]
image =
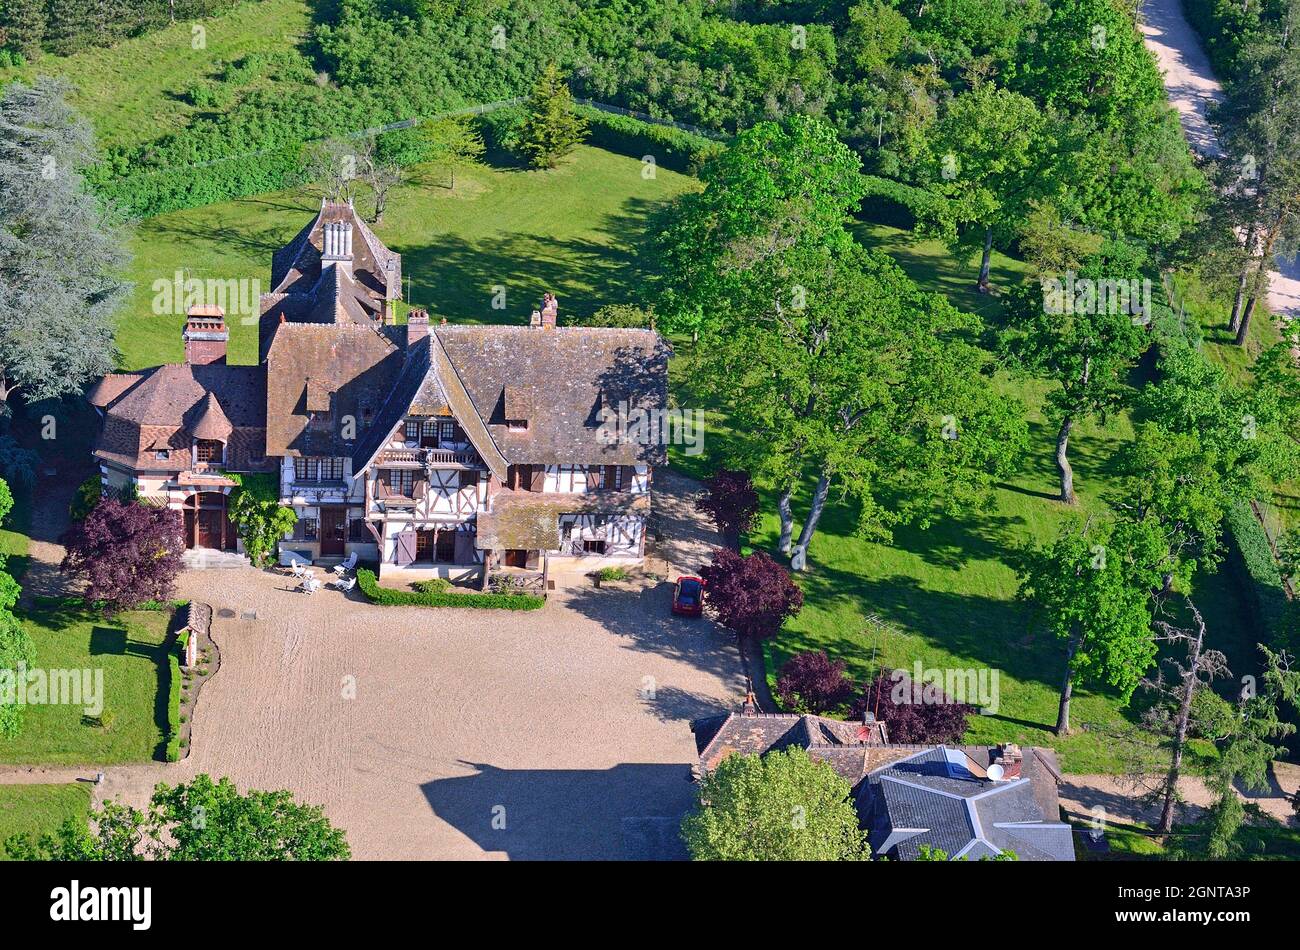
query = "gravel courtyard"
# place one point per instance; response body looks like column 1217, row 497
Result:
column 559, row 733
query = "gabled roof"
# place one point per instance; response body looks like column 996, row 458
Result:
column 296, row 267
column 851, row 748
column 164, row 407
column 567, row 374
column 349, row 368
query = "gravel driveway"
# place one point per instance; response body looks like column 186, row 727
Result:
column 559, row 733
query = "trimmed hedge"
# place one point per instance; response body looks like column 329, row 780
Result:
column 671, row 147
column 387, row 597
column 1267, row 597
column 173, row 753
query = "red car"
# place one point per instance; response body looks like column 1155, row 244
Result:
column 688, row 596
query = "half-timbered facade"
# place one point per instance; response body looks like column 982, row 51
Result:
column 429, row 450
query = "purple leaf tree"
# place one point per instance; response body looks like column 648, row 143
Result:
column 752, row 595
column 813, row 682
column 913, row 712
column 126, row 553
column 730, row 499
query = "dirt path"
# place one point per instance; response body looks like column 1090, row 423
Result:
column 52, row 497
column 1193, row 88
column 1081, row 795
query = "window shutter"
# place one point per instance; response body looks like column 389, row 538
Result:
column 405, row 553
column 611, row 481
column 629, row 476
column 595, row 474
column 538, row 477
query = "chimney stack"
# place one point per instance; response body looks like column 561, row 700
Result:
column 205, row 335
column 417, row 325
column 338, row 245
column 550, row 310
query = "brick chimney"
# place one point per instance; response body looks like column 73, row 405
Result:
column 338, row 245
column 550, row 310
column 417, row 325
column 205, row 335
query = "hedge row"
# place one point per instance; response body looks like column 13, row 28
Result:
column 1262, row 580
column 671, row 147
column 174, row 705
column 387, row 597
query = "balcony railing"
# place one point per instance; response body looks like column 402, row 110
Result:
column 427, row 457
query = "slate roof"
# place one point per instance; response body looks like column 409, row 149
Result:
column 942, row 797
column 308, row 289
column 166, row 407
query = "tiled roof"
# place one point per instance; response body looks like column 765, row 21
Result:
column 162, row 407
column 530, row 520
column 568, row 374
column 355, row 364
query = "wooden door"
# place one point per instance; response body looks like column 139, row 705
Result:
column 209, row 523
column 516, row 558
column 333, row 527
column 424, row 545
column 446, row 547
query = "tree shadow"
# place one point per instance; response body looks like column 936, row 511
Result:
column 629, row 812
column 645, row 622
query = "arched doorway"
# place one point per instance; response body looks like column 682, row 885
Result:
column 207, row 523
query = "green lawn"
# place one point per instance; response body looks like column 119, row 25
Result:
column 37, row 809
column 575, row 230
column 129, row 650
column 134, row 92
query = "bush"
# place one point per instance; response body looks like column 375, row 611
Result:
column 87, row 497
column 813, row 682
column 612, row 574
column 435, row 585
column 913, row 712
column 387, row 597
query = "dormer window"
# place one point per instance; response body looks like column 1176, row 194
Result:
column 517, row 408
column 209, row 451
column 162, row 455
column 517, row 425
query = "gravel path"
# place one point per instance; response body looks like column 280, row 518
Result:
column 1081, row 794
column 417, row 728
column 52, row 497
column 1192, row 88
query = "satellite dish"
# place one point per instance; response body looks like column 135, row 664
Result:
column 996, row 772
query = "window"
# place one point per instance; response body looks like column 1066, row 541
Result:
column 517, row 425
column 618, row 477
column 305, row 530
column 358, row 533
column 593, row 547
column 162, row 455
column 397, row 481
column 430, row 429
column 317, row 469
column 468, row 479
column 448, row 431
column 412, row 430
column 208, row 450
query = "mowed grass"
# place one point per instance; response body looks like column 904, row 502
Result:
column 576, row 230
column 129, row 651
column 34, row 810
column 134, row 92
column 947, row 595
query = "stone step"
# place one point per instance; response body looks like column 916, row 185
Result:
column 202, row 559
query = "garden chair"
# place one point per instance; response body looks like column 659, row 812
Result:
column 345, row 584
column 310, row 585
column 347, row 565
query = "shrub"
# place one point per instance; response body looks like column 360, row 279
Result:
column 127, row 553
column 670, row 147
column 87, row 497
column 612, row 574
column 813, row 682
column 1265, row 594
column 387, row 597
column 435, row 585
column 730, row 499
